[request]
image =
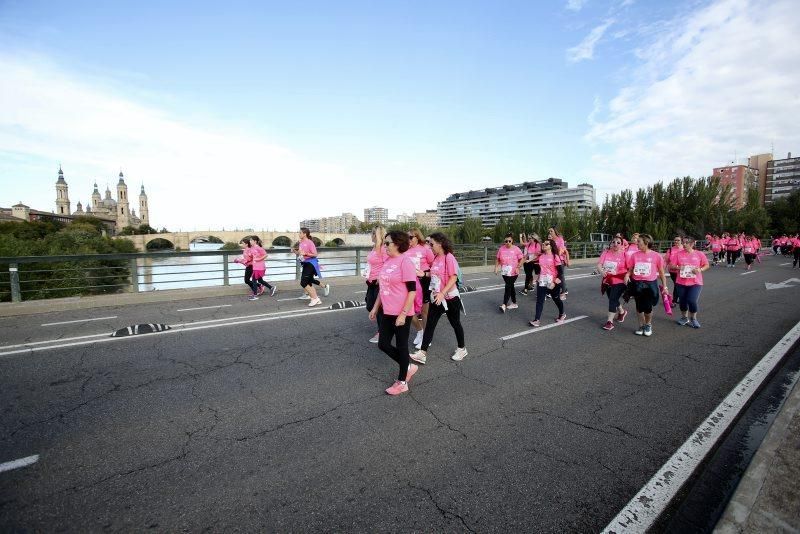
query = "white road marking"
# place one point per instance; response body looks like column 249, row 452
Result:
column 205, row 307
column 362, row 291
column 749, row 272
column 782, row 264
column 187, row 327
column 80, row 320
column 476, row 279
column 645, row 507
column 293, row 298
column 533, row 329
column 22, row 462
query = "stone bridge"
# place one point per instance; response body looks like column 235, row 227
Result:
column 181, row 240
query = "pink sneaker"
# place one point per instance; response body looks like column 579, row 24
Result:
column 261, row 290
column 608, row 326
column 397, row 388
column 621, row 316
column 561, row 318
column 412, row 370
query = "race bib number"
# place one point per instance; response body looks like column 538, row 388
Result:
column 545, row 280
column 748, row 250
column 435, row 284
column 610, row 267
column 365, row 272
column 505, row 270
column 687, row 271
column 642, row 269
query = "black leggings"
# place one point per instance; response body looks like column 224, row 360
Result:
column 644, row 298
column 255, row 282
column 307, row 278
column 528, row 266
column 369, row 301
column 509, row 293
column 748, row 258
column 614, row 293
column 453, row 315
column 555, row 294
column 388, row 330
column 796, row 257
column 733, row 255
column 248, row 275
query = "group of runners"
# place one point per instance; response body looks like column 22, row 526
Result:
column 787, row 246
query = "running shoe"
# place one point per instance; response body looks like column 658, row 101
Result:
column 418, row 338
column 609, row 325
column 314, row 302
column 459, row 354
column 695, row 323
column 305, row 296
column 397, row 388
column 640, row 331
column 561, row 318
column 252, row 297
column 563, row 295
column 502, row 308
column 412, row 370
column 273, row 290
column 534, row 323
column 420, row 356
column 261, row 290
column 523, row 292
column 326, row 290
column 374, row 339
column 512, row 306
column 683, row 321
column 648, row 330
column 621, row 316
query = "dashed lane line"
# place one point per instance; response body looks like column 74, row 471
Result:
column 654, row 498
column 748, row 272
column 533, row 330
column 80, row 320
column 206, row 307
column 16, row 464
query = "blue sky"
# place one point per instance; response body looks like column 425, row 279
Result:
column 262, row 114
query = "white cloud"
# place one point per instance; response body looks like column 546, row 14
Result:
column 575, row 5
column 720, row 80
column 585, row 49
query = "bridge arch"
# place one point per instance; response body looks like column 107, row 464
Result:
column 158, row 243
column 282, row 241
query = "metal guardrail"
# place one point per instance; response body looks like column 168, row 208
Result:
column 41, row 277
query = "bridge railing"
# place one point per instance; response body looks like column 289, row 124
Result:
column 42, row 277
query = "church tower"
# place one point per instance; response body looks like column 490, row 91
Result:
column 123, row 212
column 144, row 213
column 96, row 199
column 62, row 194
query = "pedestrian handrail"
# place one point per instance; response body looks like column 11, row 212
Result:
column 41, row 277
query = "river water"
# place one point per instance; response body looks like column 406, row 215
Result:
column 198, row 271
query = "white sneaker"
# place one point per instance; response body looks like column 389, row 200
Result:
column 326, row 290
column 374, row 339
column 420, row 356
column 314, row 302
column 418, row 338
column 305, row 297
column 512, row 306
column 459, row 354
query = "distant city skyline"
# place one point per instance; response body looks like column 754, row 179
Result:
column 258, row 116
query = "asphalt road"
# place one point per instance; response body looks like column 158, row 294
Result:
column 239, row 420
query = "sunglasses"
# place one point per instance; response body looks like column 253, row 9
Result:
column 617, row 242
column 428, row 241
column 388, row 242
column 509, row 241
column 545, row 244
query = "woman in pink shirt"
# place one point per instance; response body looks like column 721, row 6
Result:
column 533, row 248
column 445, row 298
column 561, row 250
column 397, row 284
column 732, row 248
column 422, row 257
column 749, row 250
column 375, row 259
column 677, row 245
column 644, row 268
column 690, row 264
column 795, row 241
column 246, row 259
column 307, row 254
column 716, row 249
column 259, row 257
column 612, row 266
column 509, row 259
column 549, row 281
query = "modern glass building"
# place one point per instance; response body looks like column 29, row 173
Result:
column 783, row 177
column 528, row 198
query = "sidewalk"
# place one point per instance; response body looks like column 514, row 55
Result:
column 768, row 496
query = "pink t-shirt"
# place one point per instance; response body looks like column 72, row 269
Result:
column 532, row 250
column 257, row 252
column 686, row 261
column 509, row 260
column 716, row 245
column 632, row 249
column 442, row 268
column 307, row 247
column 614, row 266
column 733, row 244
column 396, row 271
column 669, row 257
column 549, row 268
column 375, row 261
column 645, row 265
column 247, row 256
column 421, row 256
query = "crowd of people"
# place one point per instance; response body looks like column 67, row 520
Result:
column 413, row 280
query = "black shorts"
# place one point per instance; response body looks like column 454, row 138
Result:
column 425, row 282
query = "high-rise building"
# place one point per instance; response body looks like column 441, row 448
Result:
column 428, row 218
column 741, row 178
column 529, row 198
column 311, row 224
column 376, row 215
column 783, row 178
column 339, row 224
